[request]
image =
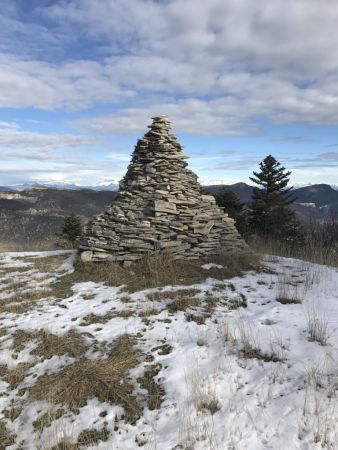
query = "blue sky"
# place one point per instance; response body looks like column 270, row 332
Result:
column 80, row 80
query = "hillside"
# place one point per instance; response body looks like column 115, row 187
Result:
column 246, row 362
column 315, row 202
column 30, row 218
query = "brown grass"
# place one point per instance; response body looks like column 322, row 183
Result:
column 13, row 411
column 172, row 295
column 153, row 271
column 197, row 318
column 104, row 318
column 6, row 438
column 181, row 304
column 47, row 263
column 155, row 391
column 71, row 343
column 245, row 344
column 86, row 437
column 22, row 302
column 46, row 419
column 313, row 252
column 103, row 379
column 14, row 376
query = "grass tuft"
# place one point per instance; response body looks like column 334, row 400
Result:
column 103, row 379
column 6, row 437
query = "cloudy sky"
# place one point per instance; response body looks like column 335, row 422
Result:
column 80, row 80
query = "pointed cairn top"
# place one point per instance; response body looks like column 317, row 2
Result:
column 160, row 125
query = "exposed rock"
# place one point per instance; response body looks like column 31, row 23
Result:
column 159, row 206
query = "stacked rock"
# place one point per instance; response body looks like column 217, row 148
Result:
column 159, row 206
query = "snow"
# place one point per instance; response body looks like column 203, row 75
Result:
column 209, row 266
column 259, row 404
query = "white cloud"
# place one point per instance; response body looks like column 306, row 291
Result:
column 71, row 85
column 11, row 136
column 235, row 60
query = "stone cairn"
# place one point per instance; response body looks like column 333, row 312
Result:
column 159, row 206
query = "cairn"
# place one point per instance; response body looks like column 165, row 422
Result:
column 159, row 206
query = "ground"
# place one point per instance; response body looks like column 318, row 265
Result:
column 249, row 362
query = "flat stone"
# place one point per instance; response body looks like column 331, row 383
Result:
column 160, row 205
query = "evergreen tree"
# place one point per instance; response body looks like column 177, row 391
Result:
column 271, row 216
column 71, row 229
column 228, row 200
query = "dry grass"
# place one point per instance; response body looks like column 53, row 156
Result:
column 245, row 343
column 197, row 318
column 71, row 343
column 104, row 318
column 203, row 392
column 155, row 391
column 46, row 263
column 153, row 271
column 6, row 438
column 47, row 418
column 182, row 304
column 172, row 295
column 148, row 312
column 103, row 379
column 287, row 291
column 86, row 438
column 14, row 376
column 313, row 251
column 13, row 411
column 22, row 302
column 317, row 326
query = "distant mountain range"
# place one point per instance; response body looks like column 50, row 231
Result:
column 313, row 202
column 109, row 186
column 35, row 214
column 113, row 186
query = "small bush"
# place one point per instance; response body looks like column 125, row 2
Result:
column 71, row 229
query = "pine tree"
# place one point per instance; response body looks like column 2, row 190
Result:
column 228, row 200
column 271, row 216
column 71, row 229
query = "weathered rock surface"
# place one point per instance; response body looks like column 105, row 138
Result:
column 159, row 206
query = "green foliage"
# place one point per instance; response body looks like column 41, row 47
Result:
column 228, row 200
column 270, row 215
column 71, row 229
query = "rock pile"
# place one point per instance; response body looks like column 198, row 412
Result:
column 159, row 206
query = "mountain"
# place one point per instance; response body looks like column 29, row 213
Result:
column 242, row 190
column 319, row 194
column 313, row 202
column 29, row 219
column 31, row 216
column 104, row 186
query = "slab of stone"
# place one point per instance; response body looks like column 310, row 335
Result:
column 159, row 206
